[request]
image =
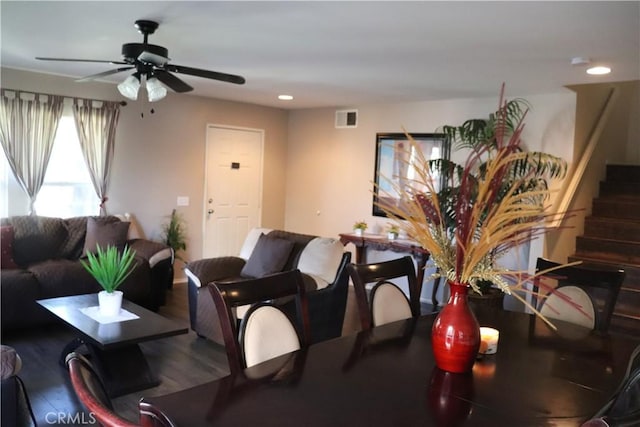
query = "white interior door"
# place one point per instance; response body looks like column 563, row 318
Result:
column 233, row 188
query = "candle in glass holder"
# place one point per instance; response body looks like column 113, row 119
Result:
column 488, row 340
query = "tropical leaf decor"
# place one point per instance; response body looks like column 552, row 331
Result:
column 494, row 202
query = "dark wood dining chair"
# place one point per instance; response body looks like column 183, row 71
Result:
column 91, row 392
column 151, row 416
column 93, row 396
column 623, row 409
column 386, row 301
column 594, row 289
column 266, row 330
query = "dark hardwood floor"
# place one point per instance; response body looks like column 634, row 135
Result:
column 180, row 362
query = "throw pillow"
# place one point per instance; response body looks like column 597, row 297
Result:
column 104, row 234
column 268, row 257
column 6, row 243
column 321, row 257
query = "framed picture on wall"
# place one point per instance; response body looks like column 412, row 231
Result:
column 393, row 166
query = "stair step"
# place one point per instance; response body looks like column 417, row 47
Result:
column 613, row 188
column 628, row 303
column 623, row 173
column 610, row 228
column 613, row 250
column 631, row 271
column 617, row 207
column 623, row 325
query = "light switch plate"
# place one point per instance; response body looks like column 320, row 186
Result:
column 182, row 201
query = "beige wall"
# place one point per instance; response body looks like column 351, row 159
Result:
column 161, row 156
column 330, row 171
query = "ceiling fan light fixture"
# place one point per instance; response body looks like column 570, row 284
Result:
column 155, row 90
column 130, row 86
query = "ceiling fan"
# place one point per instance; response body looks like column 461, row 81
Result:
column 151, row 62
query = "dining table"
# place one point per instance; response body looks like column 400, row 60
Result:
column 387, row 376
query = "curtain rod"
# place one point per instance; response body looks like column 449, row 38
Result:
column 122, row 103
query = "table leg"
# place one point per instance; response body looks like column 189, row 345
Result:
column 361, row 254
column 436, row 285
column 123, row 370
column 72, row 346
column 421, row 260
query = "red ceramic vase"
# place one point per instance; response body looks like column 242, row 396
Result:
column 455, row 336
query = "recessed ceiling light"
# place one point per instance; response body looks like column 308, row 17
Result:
column 599, row 70
column 285, row 97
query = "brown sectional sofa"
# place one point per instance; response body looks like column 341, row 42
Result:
column 47, row 253
column 321, row 260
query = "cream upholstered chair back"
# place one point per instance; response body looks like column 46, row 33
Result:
column 266, row 330
column 387, row 302
column 266, row 333
column 571, row 304
column 597, row 293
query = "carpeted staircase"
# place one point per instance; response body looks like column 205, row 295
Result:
column 612, row 238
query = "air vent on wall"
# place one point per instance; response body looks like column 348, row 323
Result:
column 347, row 119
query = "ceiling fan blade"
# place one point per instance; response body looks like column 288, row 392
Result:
column 152, row 58
column 172, row 81
column 101, row 61
column 104, row 74
column 230, row 78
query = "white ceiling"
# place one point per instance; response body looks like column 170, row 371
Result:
column 339, row 53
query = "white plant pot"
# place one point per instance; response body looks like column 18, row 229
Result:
column 358, row 231
column 392, row 236
column 110, row 303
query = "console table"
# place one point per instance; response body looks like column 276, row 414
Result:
column 381, row 243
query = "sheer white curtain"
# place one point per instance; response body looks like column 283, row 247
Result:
column 28, row 125
column 96, row 126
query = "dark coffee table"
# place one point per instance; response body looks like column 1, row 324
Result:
column 113, row 347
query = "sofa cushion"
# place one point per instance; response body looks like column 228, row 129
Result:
column 104, row 234
column 6, row 248
column 321, row 259
column 74, row 243
column 18, row 306
column 37, row 238
column 268, row 257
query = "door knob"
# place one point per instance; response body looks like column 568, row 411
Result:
column 210, row 211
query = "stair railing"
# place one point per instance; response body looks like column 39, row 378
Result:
column 578, row 172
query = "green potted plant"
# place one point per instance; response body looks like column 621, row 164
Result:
column 174, row 234
column 110, row 268
column 359, row 227
column 392, row 231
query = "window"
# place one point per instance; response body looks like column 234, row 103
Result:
column 67, row 190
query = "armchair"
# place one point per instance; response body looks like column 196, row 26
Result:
column 322, row 262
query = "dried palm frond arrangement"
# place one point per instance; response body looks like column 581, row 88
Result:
column 493, row 203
